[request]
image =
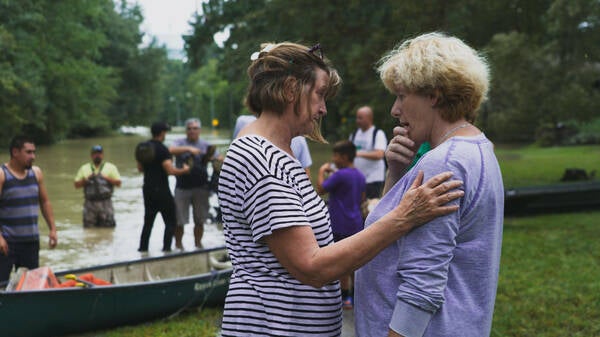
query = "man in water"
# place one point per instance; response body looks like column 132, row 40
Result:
column 98, row 179
column 157, row 193
column 22, row 194
column 192, row 189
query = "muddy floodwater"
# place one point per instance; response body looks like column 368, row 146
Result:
column 82, row 247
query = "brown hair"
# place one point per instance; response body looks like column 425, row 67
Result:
column 345, row 148
column 280, row 68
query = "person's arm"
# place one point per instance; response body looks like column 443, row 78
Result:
column 316, row 266
column 3, row 243
column 172, row 170
column 80, row 183
column 46, row 207
column 323, row 170
column 378, row 151
column 399, row 156
column 80, row 178
column 178, row 150
column 113, row 181
column 371, row 155
column 423, row 264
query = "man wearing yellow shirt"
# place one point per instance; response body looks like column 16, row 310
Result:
column 98, row 179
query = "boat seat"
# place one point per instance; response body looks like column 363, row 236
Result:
column 147, row 275
column 113, row 277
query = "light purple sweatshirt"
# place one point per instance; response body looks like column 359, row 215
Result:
column 441, row 278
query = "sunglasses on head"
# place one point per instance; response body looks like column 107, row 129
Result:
column 316, row 50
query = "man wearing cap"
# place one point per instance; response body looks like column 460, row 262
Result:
column 157, row 194
column 98, row 179
column 192, row 189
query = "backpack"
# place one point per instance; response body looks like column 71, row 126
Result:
column 144, row 152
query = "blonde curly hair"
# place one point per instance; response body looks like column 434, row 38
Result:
column 437, row 64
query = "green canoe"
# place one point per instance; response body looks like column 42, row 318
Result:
column 142, row 290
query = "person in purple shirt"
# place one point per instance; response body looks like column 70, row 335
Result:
column 346, row 186
column 441, row 278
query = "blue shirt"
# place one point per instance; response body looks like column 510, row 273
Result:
column 441, row 278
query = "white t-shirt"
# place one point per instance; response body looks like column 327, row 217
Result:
column 374, row 170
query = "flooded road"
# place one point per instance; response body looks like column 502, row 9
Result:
column 79, row 247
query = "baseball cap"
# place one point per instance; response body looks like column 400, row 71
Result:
column 96, row 148
column 159, row 127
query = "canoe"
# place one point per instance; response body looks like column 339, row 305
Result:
column 564, row 197
column 141, row 290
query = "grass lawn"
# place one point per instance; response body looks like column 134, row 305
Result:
column 550, row 269
column 549, row 276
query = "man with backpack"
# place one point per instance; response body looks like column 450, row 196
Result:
column 98, row 179
column 370, row 145
column 154, row 159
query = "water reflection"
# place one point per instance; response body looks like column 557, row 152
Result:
column 79, row 247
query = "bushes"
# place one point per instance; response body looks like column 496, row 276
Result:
column 568, row 133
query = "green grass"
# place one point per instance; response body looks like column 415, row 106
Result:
column 192, row 323
column 549, row 276
column 550, row 269
column 529, row 166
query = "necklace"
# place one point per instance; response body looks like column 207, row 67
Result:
column 452, row 131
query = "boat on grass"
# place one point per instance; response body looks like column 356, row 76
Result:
column 564, row 197
column 140, row 290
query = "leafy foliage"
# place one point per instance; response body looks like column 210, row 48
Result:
column 542, row 52
column 73, row 68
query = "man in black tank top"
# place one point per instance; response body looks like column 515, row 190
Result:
column 22, row 194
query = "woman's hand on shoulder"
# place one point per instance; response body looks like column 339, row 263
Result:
column 426, row 201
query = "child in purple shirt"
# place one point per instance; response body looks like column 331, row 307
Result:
column 346, row 187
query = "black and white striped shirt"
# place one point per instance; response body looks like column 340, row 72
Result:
column 261, row 189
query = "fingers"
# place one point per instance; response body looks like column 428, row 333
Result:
column 438, row 179
column 418, row 180
column 400, row 131
column 444, row 189
column 400, row 148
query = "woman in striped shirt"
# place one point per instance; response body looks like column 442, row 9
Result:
column 277, row 228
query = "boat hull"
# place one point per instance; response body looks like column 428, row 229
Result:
column 565, row 197
column 57, row 312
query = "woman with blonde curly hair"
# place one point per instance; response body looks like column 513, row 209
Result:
column 277, row 229
column 441, row 278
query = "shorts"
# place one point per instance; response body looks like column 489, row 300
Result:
column 20, row 254
column 196, row 197
column 98, row 213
